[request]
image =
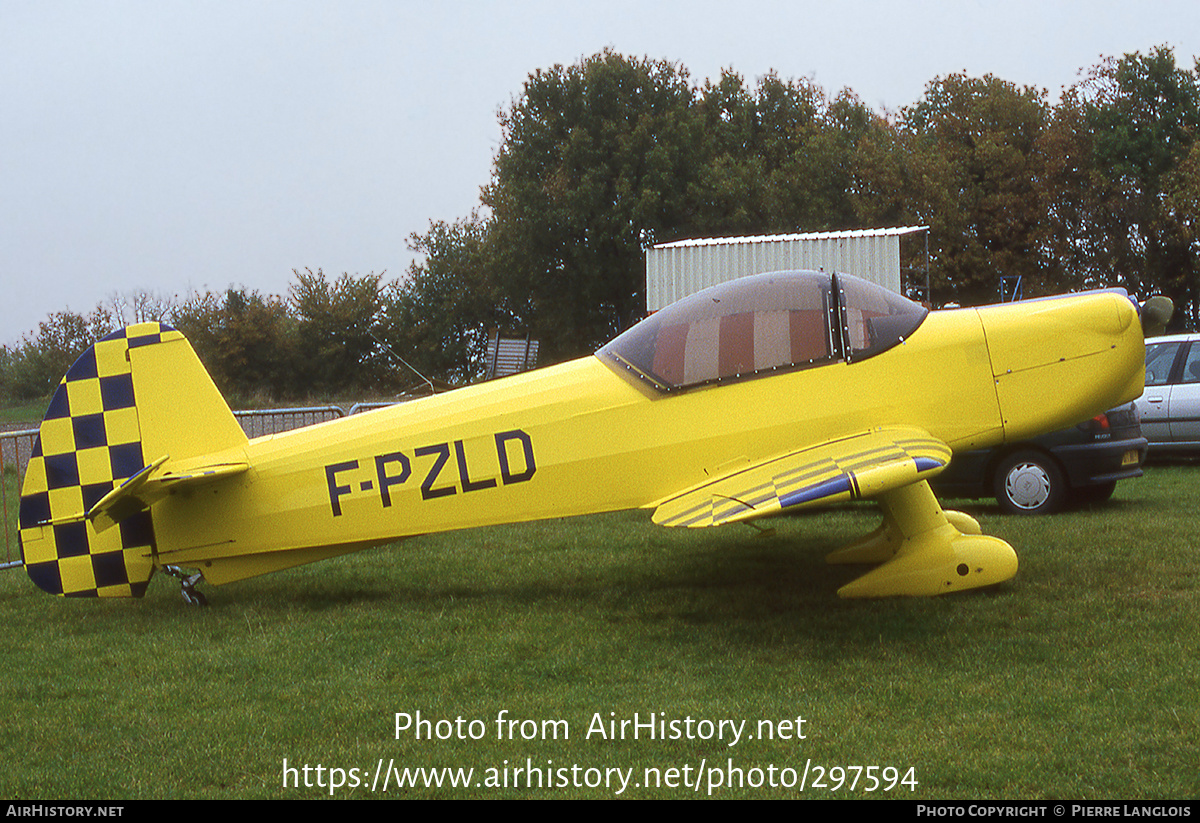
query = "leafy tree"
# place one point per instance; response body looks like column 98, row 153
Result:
column 1181, row 199
column 336, row 329
column 730, row 193
column 1071, row 193
column 1143, row 113
column 881, row 190
column 438, row 318
column 245, row 340
column 973, row 165
column 7, row 356
column 37, row 365
column 779, row 158
column 602, row 159
column 808, row 145
column 597, row 163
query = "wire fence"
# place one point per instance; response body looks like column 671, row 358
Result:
column 16, row 447
column 259, row 422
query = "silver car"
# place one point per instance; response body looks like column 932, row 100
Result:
column 1169, row 409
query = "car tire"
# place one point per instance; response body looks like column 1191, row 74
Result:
column 1029, row 482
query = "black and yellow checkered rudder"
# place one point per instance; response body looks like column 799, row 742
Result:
column 131, row 404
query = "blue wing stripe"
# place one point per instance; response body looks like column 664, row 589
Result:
column 829, row 488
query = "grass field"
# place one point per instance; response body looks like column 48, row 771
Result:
column 1077, row 679
column 23, row 415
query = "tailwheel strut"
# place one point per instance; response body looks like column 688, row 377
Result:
column 187, row 585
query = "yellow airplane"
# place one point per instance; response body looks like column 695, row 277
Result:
column 758, row 396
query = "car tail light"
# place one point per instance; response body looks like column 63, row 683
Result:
column 1097, row 427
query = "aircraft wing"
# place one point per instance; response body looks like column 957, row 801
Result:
column 862, row 465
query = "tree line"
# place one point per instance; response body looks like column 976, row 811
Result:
column 318, row 342
column 604, row 158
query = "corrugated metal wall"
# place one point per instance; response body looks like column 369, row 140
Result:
column 675, row 270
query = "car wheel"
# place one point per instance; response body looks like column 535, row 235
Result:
column 1029, row 483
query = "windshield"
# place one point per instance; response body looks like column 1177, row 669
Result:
column 875, row 319
column 762, row 324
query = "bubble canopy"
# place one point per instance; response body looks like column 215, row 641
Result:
column 762, row 324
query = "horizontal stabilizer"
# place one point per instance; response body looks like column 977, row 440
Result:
column 864, row 465
column 150, row 485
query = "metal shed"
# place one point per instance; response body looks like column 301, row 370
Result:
column 675, row 270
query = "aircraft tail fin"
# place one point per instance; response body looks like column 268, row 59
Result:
column 132, row 405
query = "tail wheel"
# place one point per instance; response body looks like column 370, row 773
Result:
column 194, row 598
column 187, row 585
column 1030, row 482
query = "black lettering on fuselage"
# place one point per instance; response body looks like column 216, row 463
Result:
column 336, row 491
column 514, row 453
column 386, row 482
column 442, row 450
column 464, row 475
column 506, row 473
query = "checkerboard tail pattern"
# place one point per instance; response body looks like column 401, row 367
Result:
column 89, row 442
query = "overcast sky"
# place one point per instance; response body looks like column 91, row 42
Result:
column 176, row 146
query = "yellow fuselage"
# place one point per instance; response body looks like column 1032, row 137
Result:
column 581, row 437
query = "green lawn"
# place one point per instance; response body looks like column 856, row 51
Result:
column 1077, row 679
column 29, row 414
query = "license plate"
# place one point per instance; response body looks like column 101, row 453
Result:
column 1130, row 458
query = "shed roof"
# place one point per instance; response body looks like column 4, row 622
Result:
column 781, row 238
